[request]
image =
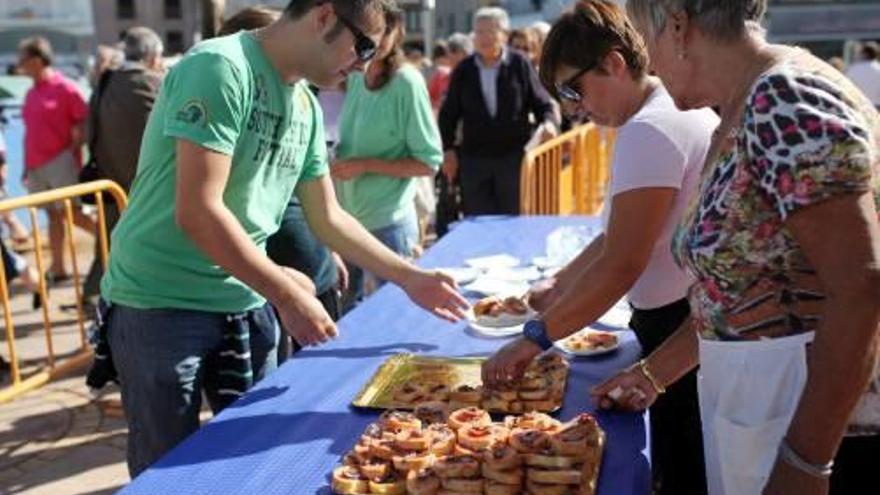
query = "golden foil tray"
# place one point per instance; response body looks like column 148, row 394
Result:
column 453, row 372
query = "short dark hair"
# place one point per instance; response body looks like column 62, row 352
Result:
column 248, row 19
column 351, row 9
column 870, row 50
column 37, row 46
column 441, row 49
column 586, row 34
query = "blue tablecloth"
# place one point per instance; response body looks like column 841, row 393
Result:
column 285, row 436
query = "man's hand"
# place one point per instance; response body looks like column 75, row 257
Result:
column 342, row 276
column 450, row 166
column 548, row 131
column 542, row 294
column 436, row 292
column 303, row 281
column 509, row 363
column 347, row 169
column 303, row 317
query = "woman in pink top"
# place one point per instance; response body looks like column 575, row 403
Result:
column 596, row 64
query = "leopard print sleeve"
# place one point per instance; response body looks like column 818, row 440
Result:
column 805, row 142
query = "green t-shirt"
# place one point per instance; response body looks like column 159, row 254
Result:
column 391, row 123
column 225, row 96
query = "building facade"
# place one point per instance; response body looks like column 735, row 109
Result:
column 826, row 27
column 67, row 24
column 178, row 22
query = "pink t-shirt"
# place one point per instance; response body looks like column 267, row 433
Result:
column 51, row 108
column 661, row 146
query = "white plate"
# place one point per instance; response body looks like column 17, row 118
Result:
column 493, row 287
column 504, row 326
column 505, row 320
column 495, row 261
column 560, row 344
column 462, row 275
column 494, row 332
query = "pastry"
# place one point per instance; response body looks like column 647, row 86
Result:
column 547, row 489
column 457, row 466
column 574, row 437
column 442, row 439
column 502, row 457
column 495, row 488
column 437, row 392
column 390, row 485
column 515, row 305
column 348, row 480
column 464, row 485
column 528, row 440
column 432, row 412
column 410, row 393
column 422, row 482
column 468, row 416
column 398, row 420
column 551, row 461
column 554, row 477
column 512, row 476
column 534, row 420
column 410, row 461
column 375, row 469
column 467, row 394
column 488, row 306
column 481, row 437
column 417, row 440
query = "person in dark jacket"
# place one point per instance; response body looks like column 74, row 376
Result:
column 496, row 95
column 118, row 111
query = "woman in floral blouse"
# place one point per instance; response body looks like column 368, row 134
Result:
column 785, row 245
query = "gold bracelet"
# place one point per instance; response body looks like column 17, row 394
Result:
column 643, row 366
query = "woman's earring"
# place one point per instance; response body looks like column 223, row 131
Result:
column 682, row 56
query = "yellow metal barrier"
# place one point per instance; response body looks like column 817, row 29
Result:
column 568, row 174
column 63, row 195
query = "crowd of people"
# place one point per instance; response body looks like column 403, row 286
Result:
column 278, row 172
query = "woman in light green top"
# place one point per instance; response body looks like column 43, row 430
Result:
column 387, row 138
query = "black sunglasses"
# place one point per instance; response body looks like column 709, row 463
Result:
column 364, row 47
column 569, row 89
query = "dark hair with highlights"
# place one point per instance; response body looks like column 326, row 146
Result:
column 390, row 63
column 585, row 35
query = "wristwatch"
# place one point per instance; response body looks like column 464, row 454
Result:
column 536, row 331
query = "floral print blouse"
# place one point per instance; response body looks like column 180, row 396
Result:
column 806, row 135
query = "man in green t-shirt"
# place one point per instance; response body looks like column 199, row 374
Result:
column 234, row 132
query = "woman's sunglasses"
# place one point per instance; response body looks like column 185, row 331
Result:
column 569, row 89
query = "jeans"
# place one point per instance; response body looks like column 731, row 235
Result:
column 401, row 237
column 165, row 358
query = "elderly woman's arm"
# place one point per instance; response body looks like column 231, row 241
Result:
column 841, row 239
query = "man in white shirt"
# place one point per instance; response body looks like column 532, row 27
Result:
column 866, row 74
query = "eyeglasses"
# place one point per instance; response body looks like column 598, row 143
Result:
column 569, row 89
column 364, row 47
